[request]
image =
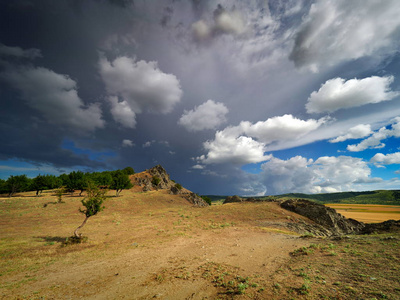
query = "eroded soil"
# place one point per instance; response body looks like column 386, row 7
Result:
column 156, row 245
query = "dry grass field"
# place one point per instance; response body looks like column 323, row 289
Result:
column 368, row 213
column 156, row 245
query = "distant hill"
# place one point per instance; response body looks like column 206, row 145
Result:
column 387, row 197
column 368, row 197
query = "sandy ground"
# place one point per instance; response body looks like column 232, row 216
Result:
column 143, row 246
column 133, row 274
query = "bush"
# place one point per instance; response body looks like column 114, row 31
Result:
column 156, row 180
column 129, row 171
column 207, row 199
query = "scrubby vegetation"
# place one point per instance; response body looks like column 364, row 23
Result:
column 146, row 243
column 117, row 180
column 207, row 199
column 156, row 180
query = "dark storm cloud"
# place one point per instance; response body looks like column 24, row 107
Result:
column 167, row 16
column 122, row 3
column 87, row 83
column 18, row 52
column 30, row 139
column 54, row 96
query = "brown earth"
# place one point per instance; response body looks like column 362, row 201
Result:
column 142, row 245
column 154, row 244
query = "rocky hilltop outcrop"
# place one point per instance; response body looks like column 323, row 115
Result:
column 327, row 217
column 157, row 178
column 233, row 199
column 153, row 179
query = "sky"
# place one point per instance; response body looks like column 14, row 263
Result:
column 230, row 97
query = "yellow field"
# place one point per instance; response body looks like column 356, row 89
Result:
column 368, row 213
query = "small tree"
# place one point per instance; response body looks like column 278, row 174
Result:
column 16, row 184
column 76, row 181
column 101, row 179
column 129, row 171
column 39, row 183
column 45, row 182
column 120, row 182
column 59, row 193
column 3, row 188
column 93, row 204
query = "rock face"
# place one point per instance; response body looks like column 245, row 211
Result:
column 195, row 199
column 233, row 199
column 386, row 226
column 327, row 217
column 157, row 178
column 153, row 179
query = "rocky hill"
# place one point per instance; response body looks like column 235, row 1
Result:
column 325, row 220
column 157, row 178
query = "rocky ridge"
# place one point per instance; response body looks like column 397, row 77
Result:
column 157, row 178
column 325, row 220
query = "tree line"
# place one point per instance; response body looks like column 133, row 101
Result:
column 117, row 180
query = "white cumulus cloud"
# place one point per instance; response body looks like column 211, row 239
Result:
column 356, row 132
column 375, row 140
column 140, row 86
column 284, row 127
column 208, row 115
column 239, row 150
column 246, row 143
column 386, row 159
column 325, row 175
column 338, row 93
column 127, row 143
column 122, row 112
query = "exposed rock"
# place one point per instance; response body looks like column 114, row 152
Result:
column 232, row 199
column 386, row 226
column 195, row 199
column 157, row 178
column 159, row 172
column 306, row 228
column 153, row 179
column 175, row 190
column 324, row 216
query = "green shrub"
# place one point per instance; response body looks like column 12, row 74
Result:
column 156, row 180
column 207, row 199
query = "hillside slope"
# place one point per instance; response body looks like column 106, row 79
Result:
column 152, row 242
column 156, row 244
column 388, row 197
